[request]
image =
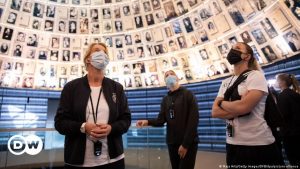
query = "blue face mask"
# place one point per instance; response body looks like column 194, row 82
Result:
column 171, row 80
column 99, row 60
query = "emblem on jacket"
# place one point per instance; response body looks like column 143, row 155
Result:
column 114, row 97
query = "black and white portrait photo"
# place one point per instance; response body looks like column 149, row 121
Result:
column 259, row 37
column 269, row 28
column 294, row 6
column 180, row 8
column 149, row 19
column 50, row 11
column 4, row 47
column 16, row 4
column 106, row 13
column 170, row 10
column 66, row 55
column 27, row 7
column 118, row 26
column 72, row 27
column 188, row 25
column 128, row 40
column 156, row 4
column 48, row 25
column 269, row 53
column 293, row 40
column 136, row 7
column 147, row 7
column 11, row 18
column 36, row 24
column 246, row 37
column 236, row 15
column 119, row 43
column 126, row 10
column 32, row 40
column 203, row 54
column 20, row 37
column 73, row 13
column 138, row 22
column 95, row 15
column 7, row 33
column 38, row 10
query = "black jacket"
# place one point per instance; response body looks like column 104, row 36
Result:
column 289, row 105
column 71, row 114
column 182, row 130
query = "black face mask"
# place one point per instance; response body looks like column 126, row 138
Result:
column 234, row 56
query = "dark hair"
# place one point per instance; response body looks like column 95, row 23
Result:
column 252, row 64
column 289, row 80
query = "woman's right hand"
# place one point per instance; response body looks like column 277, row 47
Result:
column 141, row 123
column 89, row 127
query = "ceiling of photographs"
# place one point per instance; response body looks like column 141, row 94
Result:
column 42, row 43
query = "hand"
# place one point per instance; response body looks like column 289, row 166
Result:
column 101, row 131
column 182, row 152
column 89, row 127
column 141, row 123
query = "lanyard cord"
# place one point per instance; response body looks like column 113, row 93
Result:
column 95, row 116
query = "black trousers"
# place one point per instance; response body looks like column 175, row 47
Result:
column 292, row 149
column 120, row 164
column 249, row 156
column 188, row 162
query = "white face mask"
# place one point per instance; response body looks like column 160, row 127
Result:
column 99, row 60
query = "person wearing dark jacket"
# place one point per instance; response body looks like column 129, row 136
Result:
column 93, row 114
column 288, row 103
column 179, row 110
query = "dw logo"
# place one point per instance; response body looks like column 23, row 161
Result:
column 31, row 144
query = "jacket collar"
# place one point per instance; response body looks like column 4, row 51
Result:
column 87, row 85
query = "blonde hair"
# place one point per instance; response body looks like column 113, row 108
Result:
column 252, row 64
column 89, row 50
column 289, row 80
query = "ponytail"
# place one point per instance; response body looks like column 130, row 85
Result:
column 295, row 83
column 290, row 80
column 252, row 64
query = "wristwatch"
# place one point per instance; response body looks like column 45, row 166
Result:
column 82, row 128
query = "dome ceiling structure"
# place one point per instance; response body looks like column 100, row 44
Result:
column 42, row 43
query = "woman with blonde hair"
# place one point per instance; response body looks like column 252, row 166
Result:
column 93, row 114
column 249, row 139
column 288, row 103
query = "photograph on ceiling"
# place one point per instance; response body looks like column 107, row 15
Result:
column 27, row 6
column 24, row 20
column 119, row 42
column 174, row 61
column 128, row 40
column 294, row 6
column 259, row 4
column 76, row 56
column 7, row 33
column 118, row 26
column 138, row 68
column 74, row 70
column 108, row 41
column 149, row 19
column 151, row 80
column 76, row 43
column 138, row 81
column 211, row 27
column 49, row 25
column 148, row 36
column 188, row 75
column 223, row 49
column 279, row 19
column 19, row 67
column 54, row 55
column 127, row 81
column 233, row 40
column 224, row 68
column 138, row 22
column 180, row 8
column 269, row 28
column 203, row 54
column 66, row 55
column 73, row 13
column 246, row 37
column 30, row 53
column 54, row 42
column 173, row 46
column 184, row 62
column 256, row 54
column 258, row 35
column 193, row 40
column 29, row 68
column 43, row 55
column 18, row 49
column 4, row 48
column 168, row 31
column 136, row 7
column 269, row 53
column 188, row 25
column 76, row 2
column 38, row 10
column 36, row 24
column 150, row 50
column 106, row 13
column 192, row 2
column 21, row 37
column 28, row 82
column 182, row 42
column 205, row 13
column 66, row 42
column 170, row 10
column 158, row 49
column 246, row 9
column 196, row 20
column 292, row 38
column 62, row 82
column 176, row 27
column 15, row 4
column 84, row 25
column 236, row 15
column 94, row 15
column 126, row 10
column 62, row 13
column 12, row 17
column 203, row 35
column 119, row 55
column 213, row 70
column 107, row 27
column 83, row 12
column 137, row 38
column 129, row 53
column 2, row 2
column 156, row 4
column 151, row 66
column 8, row 65
column 159, row 16
column 63, row 69
column 222, row 24
column 164, row 63
column 140, row 52
column 228, row 2
column 117, row 12
column 86, row 42
column 50, row 11
column 215, row 7
column 147, row 6
column 72, row 27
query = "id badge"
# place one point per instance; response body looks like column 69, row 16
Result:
column 230, row 130
column 97, row 148
column 171, row 114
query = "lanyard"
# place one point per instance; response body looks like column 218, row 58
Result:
column 95, row 114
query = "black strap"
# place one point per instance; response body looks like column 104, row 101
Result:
column 238, row 81
column 95, row 114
